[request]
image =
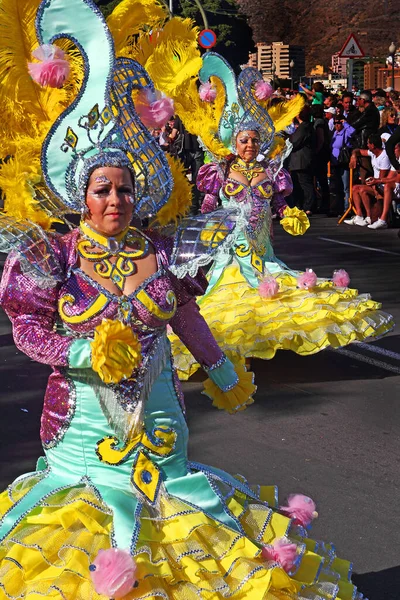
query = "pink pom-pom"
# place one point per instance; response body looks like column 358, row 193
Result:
column 263, row 90
column 207, row 92
column 301, row 509
column 113, row 573
column 154, row 109
column 307, row 280
column 268, row 287
column 341, row 278
column 53, row 69
column 281, row 551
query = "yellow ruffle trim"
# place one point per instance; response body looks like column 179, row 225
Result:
column 181, row 555
column 295, row 221
column 236, row 399
column 116, row 351
column 303, row 321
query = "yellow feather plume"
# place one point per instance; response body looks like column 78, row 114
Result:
column 180, row 200
column 129, row 18
column 27, row 110
column 219, row 103
column 24, row 100
column 199, row 118
column 17, row 178
column 283, row 113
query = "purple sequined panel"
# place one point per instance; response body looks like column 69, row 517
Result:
column 58, row 409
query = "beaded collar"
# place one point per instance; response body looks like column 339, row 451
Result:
column 122, row 265
column 249, row 170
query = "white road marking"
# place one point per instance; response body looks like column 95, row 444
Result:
column 359, row 246
column 379, row 350
column 367, row 359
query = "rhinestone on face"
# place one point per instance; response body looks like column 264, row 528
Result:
column 146, row 476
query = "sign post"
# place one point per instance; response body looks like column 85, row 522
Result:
column 351, row 49
column 207, row 39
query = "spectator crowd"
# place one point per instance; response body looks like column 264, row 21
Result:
column 340, row 141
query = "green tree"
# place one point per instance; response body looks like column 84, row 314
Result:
column 234, row 36
column 106, row 6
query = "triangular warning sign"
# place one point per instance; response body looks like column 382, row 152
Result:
column 351, row 48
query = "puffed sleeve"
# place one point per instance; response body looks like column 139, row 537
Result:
column 283, row 187
column 32, row 310
column 209, row 180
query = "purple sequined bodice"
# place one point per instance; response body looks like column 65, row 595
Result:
column 47, row 320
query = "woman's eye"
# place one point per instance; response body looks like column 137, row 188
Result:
column 101, row 192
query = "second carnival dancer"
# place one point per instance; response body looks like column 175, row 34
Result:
column 254, row 304
column 116, row 509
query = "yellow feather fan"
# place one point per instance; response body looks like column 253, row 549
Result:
column 283, row 113
column 129, row 18
column 27, row 110
column 180, row 200
column 17, row 179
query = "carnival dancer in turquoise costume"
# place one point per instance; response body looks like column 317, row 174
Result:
column 255, row 304
column 116, row 509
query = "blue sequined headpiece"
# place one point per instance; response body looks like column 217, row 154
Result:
column 242, row 112
column 101, row 127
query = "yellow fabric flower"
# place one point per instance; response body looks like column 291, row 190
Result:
column 238, row 398
column 116, row 351
column 295, row 221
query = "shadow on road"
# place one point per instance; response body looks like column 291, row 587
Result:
column 381, row 585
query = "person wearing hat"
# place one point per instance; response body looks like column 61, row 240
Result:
column 366, row 124
column 330, row 116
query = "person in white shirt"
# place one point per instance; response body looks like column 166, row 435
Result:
column 391, row 190
column 364, row 194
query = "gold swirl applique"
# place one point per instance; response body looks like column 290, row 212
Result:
column 265, row 190
column 155, row 309
column 95, row 307
column 145, row 474
column 232, row 189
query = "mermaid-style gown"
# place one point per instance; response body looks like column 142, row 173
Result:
column 245, row 323
column 116, row 470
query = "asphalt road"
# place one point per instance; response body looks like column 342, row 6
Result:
column 326, row 425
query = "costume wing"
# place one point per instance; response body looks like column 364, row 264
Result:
column 200, row 239
column 38, row 258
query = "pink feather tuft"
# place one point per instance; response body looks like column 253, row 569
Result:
column 154, row 108
column 301, row 509
column 268, row 287
column 207, row 92
column 341, row 278
column 282, row 551
column 53, row 69
column 263, row 90
column 113, row 573
column 307, row 280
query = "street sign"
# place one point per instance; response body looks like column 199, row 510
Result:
column 207, row 38
column 351, row 48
